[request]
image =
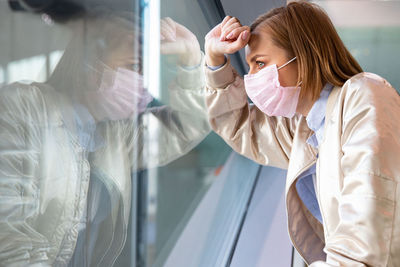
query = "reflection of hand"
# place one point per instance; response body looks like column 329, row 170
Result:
column 177, row 39
column 227, row 37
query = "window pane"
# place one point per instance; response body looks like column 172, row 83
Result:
column 105, row 147
column 372, row 34
column 72, row 132
column 172, row 194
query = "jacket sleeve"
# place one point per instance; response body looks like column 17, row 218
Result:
column 183, row 123
column 164, row 133
column 250, row 132
column 371, row 169
column 20, row 243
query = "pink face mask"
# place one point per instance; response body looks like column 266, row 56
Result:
column 264, row 89
column 120, row 95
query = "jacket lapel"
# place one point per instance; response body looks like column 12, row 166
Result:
column 329, row 107
column 302, row 155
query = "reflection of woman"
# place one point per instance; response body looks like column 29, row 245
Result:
column 68, row 147
column 316, row 114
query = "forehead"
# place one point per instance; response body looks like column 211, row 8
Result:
column 261, row 43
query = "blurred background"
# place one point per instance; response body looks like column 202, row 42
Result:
column 183, row 210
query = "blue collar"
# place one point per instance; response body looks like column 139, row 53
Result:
column 316, row 116
column 88, row 137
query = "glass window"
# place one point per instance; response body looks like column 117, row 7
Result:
column 174, row 192
column 27, row 69
column 372, row 34
column 106, row 153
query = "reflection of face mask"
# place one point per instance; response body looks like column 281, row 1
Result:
column 264, row 89
column 121, row 94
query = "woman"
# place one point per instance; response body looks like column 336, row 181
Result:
column 69, row 146
column 317, row 114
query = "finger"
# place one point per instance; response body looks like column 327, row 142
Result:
column 234, row 34
column 230, row 22
column 228, row 30
column 225, row 20
column 240, row 42
column 167, row 33
column 167, row 36
column 165, row 25
column 172, row 23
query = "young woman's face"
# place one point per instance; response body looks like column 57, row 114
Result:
column 262, row 52
column 123, row 55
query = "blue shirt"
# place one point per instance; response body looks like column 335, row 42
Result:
column 306, row 183
column 98, row 197
column 88, row 137
column 219, row 66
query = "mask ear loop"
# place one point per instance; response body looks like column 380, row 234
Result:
column 299, row 84
column 287, row 63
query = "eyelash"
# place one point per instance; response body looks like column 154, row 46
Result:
column 135, row 67
column 257, row 63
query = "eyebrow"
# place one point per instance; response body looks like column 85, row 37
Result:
column 256, row 56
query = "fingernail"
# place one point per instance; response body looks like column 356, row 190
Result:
column 244, row 36
column 229, row 35
column 221, row 38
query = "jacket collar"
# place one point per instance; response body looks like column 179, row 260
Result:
column 306, row 233
column 302, row 154
column 316, row 119
column 332, row 100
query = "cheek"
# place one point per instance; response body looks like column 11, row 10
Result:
column 288, row 77
column 251, row 71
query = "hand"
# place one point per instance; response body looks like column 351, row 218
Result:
column 227, row 37
column 177, row 39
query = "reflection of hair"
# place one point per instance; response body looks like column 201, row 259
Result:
column 95, row 36
column 304, row 30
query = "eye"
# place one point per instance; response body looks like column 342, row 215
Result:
column 260, row 64
column 137, row 67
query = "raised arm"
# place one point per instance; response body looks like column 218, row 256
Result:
column 163, row 133
column 250, row 132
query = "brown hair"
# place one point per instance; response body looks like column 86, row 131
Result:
column 304, row 30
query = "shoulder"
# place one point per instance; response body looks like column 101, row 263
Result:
column 19, row 92
column 369, row 83
column 26, row 101
column 369, row 94
column 369, row 88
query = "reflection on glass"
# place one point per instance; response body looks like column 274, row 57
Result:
column 73, row 143
column 2, row 78
column 174, row 192
column 54, row 58
column 26, row 69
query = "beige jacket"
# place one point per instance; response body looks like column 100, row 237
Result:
column 358, row 167
column 45, row 172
